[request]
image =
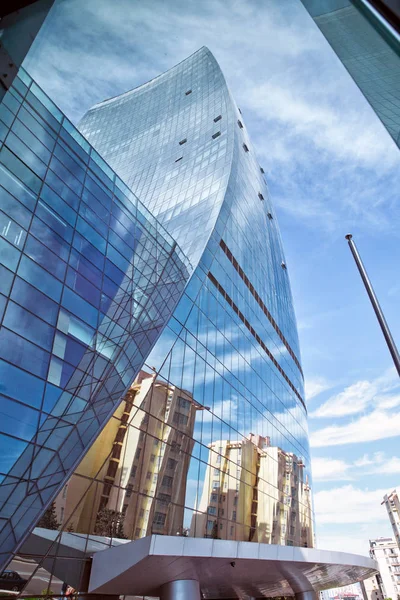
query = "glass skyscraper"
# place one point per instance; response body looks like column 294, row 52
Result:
column 180, row 143
column 150, row 366
column 369, row 48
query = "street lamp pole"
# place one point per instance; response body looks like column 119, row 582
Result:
column 375, row 304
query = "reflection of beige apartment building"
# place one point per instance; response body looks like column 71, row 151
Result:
column 392, row 504
column 385, row 551
column 254, row 492
column 143, row 455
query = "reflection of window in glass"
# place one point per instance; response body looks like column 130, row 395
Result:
column 219, row 459
column 216, row 472
column 65, row 491
column 210, row 525
column 240, row 124
column 129, row 489
column 183, row 403
column 222, row 498
column 141, row 513
column 221, row 512
column 133, row 471
column 137, row 453
column 245, row 148
column 214, row 497
column 180, row 419
column 159, row 518
column 138, row 532
column 217, row 118
column 235, row 501
column 62, row 514
column 141, row 436
column 183, row 141
column 167, row 481
column 234, row 515
column 155, row 478
column 171, row 464
column 152, row 458
column 164, row 498
column 212, row 510
column 148, row 475
column 232, row 531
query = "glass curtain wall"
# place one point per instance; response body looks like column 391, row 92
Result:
column 369, row 51
column 88, row 281
column 211, row 438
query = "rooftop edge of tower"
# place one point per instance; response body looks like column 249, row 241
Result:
column 203, row 49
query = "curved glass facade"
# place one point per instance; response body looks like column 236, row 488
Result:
column 217, row 442
column 211, row 438
column 88, row 281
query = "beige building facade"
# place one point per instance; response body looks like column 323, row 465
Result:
column 254, row 492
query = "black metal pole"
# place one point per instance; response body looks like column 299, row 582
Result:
column 375, row 304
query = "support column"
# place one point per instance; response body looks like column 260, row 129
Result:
column 184, row 589
column 310, row 595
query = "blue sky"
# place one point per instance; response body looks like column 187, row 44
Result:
column 332, row 169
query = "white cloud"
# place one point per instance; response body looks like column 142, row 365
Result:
column 374, row 426
column 315, row 386
column 348, row 504
column 309, row 113
column 340, row 543
column 361, row 395
column 330, row 469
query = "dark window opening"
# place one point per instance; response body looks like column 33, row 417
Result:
column 239, row 110
column 178, row 159
column 217, row 118
column 245, row 148
column 283, row 265
column 183, row 141
column 188, row 92
column 240, row 124
column 216, row 135
column 262, row 170
column 260, row 196
column 269, row 216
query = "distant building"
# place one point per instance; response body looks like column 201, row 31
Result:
column 373, row 588
column 385, row 551
column 392, row 504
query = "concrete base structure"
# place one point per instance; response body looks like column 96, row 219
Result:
column 185, row 568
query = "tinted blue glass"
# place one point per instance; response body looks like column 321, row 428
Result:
column 88, row 250
column 17, row 419
column 16, row 167
column 35, row 301
column 14, row 209
column 45, row 344
column 79, row 307
column 41, row 279
column 50, row 238
column 28, row 157
column 47, row 259
column 9, row 255
column 83, row 287
column 23, row 354
column 28, row 325
column 20, row 385
column 54, row 221
column 6, row 278
column 57, row 204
